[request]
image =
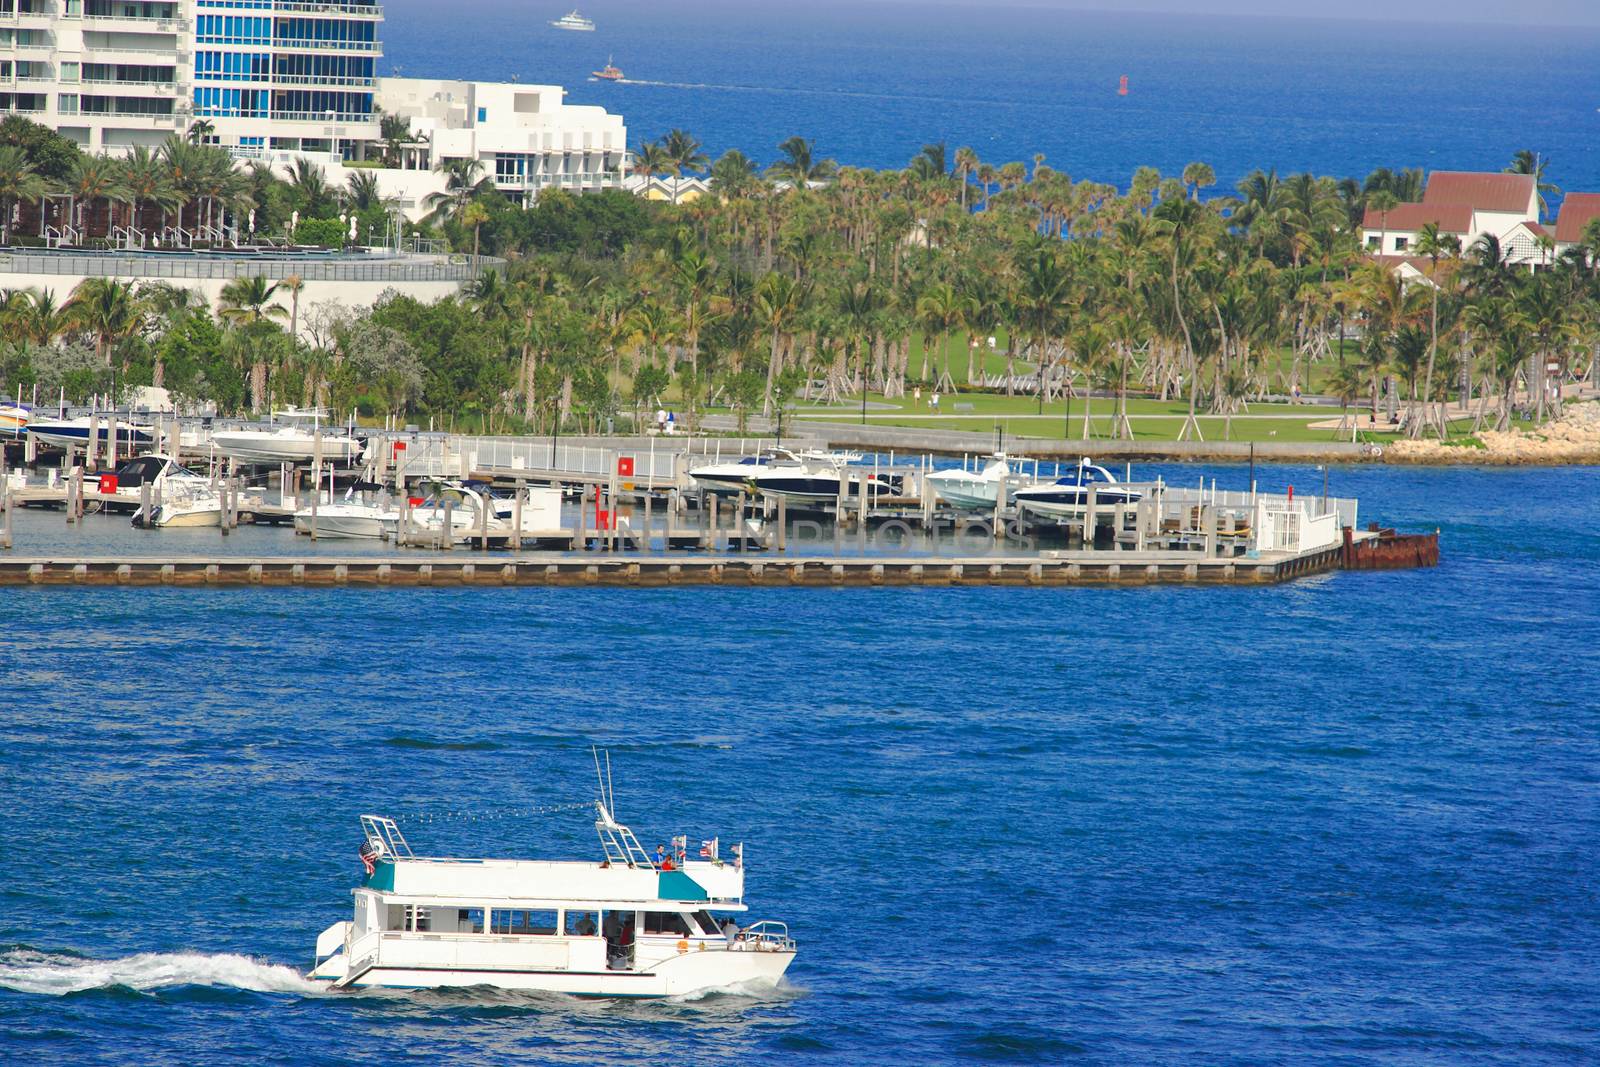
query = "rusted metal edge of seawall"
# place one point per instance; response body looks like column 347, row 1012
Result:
column 728, row 570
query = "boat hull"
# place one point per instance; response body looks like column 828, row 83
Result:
column 67, row 435
column 690, row 972
column 332, row 522
column 1072, row 504
column 248, row 446
column 186, row 518
column 968, row 493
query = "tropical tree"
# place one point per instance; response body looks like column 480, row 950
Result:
column 20, row 183
column 799, row 165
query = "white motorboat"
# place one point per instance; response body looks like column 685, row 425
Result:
column 74, row 433
column 1068, row 495
column 184, row 504
column 738, row 475
column 356, row 515
column 472, row 513
column 625, row 925
column 573, row 21
column 818, row 477
column 973, row 489
column 122, row 490
column 291, row 439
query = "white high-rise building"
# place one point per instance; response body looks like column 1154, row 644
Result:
column 264, row 74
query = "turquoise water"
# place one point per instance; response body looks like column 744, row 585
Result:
column 870, row 82
column 1346, row 820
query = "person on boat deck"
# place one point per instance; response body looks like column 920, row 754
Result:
column 586, row 927
column 661, row 854
column 612, row 926
column 730, row 929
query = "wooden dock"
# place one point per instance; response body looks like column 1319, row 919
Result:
column 731, row 569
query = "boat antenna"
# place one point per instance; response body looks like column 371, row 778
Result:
column 603, row 777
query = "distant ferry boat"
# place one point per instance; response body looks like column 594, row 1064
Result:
column 573, row 21
column 610, row 72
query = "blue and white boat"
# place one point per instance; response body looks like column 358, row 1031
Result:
column 1068, row 495
column 74, row 433
column 819, row 477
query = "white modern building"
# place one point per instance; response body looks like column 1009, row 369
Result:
column 283, row 79
column 265, row 74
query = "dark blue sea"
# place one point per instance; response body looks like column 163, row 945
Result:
column 1347, row 820
column 871, row 81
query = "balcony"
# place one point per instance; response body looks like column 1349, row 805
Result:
column 371, row 14
column 157, row 88
column 375, row 47
column 351, row 118
column 319, row 80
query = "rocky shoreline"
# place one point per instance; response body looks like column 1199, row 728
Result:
column 1573, row 438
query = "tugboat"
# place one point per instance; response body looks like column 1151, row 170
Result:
column 573, row 21
column 609, row 72
column 625, row 926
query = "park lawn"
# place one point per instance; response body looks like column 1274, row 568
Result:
column 1148, row 429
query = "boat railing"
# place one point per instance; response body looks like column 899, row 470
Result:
column 383, row 832
column 767, row 936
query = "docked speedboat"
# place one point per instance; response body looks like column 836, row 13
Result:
column 74, row 433
column 122, row 490
column 1068, row 495
column 359, row 514
column 625, row 925
column 292, row 438
column 962, row 488
column 184, row 504
column 470, row 512
column 817, row 477
column 738, row 475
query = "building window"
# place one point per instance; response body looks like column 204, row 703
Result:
column 1401, row 243
column 483, row 114
column 69, row 72
column 67, row 103
column 1372, row 242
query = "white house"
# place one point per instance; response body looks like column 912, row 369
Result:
column 1463, row 203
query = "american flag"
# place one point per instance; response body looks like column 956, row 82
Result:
column 680, row 846
column 708, row 849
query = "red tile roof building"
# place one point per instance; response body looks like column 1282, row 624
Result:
column 1467, row 204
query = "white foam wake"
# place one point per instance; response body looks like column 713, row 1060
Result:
column 30, row 971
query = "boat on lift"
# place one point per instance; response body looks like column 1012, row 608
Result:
column 74, row 433
column 818, row 477
column 292, row 438
column 622, row 925
column 364, row 512
column 610, row 72
column 122, row 490
column 573, row 21
column 1068, row 495
column 974, row 489
column 182, row 501
column 14, row 417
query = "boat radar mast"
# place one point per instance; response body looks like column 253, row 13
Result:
column 620, row 846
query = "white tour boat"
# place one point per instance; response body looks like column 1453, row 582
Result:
column 624, row 926
column 292, row 439
column 573, row 21
column 1068, row 495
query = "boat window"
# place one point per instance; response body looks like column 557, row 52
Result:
column 469, row 920
column 581, row 923
column 665, row 922
column 519, row 921
column 418, row 919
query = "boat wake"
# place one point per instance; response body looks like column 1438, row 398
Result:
column 28, row 970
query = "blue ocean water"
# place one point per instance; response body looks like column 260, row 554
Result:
column 1346, row 820
column 872, row 81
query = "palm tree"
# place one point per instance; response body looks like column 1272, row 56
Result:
column 966, row 166
column 475, row 215
column 684, row 153
column 942, row 310
column 1383, row 202
column 1198, row 176
column 93, row 178
column 1530, row 162
column 362, row 191
column 246, row 303
column 292, row 285
column 858, row 305
column 463, row 181
column 311, row 190
column 20, row 183
column 148, row 182
column 1436, row 246
column 734, row 173
column 200, row 130
column 778, row 303
column 799, row 166
column 109, row 310
column 44, row 321
column 1181, row 220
